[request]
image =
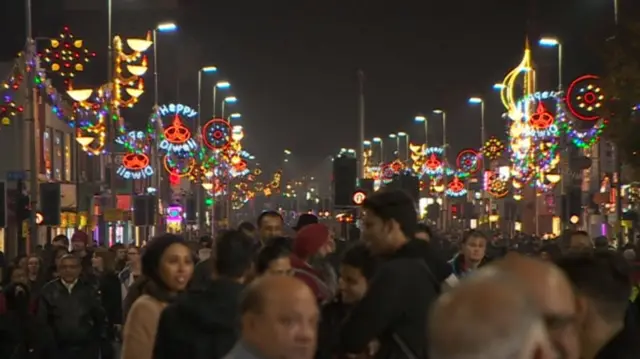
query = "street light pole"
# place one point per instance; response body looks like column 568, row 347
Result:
column 445, row 201
column 30, row 53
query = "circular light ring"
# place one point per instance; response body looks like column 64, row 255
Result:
column 493, row 148
column 180, row 171
column 469, row 161
column 216, row 133
column 584, row 97
column 496, row 187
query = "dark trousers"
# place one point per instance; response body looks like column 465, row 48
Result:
column 90, row 351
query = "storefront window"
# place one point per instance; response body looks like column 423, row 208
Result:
column 67, row 157
column 57, row 156
column 46, row 151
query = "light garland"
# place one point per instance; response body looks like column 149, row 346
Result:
column 66, row 55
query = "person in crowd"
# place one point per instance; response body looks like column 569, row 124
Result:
column 602, row 282
column 22, row 334
column 60, row 241
column 549, row 252
column 16, row 274
column 270, row 225
column 79, row 244
column 273, row 259
column 279, row 316
column 580, row 241
column 108, row 285
column 400, row 293
column 304, row 220
column 357, row 267
column 54, row 263
column 131, row 272
column 310, row 247
column 203, row 323
column 21, row 262
column 489, row 315
column 120, row 252
column 497, row 247
column 248, row 229
column 472, row 253
column 71, row 308
column 552, row 292
column 424, row 232
column 35, row 274
column 167, row 266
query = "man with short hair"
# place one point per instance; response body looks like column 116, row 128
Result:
column 71, row 307
column 279, row 320
column 270, row 225
column 580, row 241
column 203, row 323
column 489, row 315
column 602, row 281
column 400, row 293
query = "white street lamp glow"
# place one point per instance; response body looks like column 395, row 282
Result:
column 498, row 86
column 377, row 139
column 231, row 99
column 475, row 100
column 287, row 152
column 167, row 27
column 420, row 118
column 235, row 115
column 366, row 143
column 402, row 134
column 209, row 69
column 223, row 84
column 549, row 42
column 438, row 111
column 392, row 135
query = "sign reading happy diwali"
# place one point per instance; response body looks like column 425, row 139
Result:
column 177, row 109
column 177, row 137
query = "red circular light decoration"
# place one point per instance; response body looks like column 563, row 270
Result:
column 359, row 197
column 585, row 97
column 216, row 133
column 541, row 119
column 135, row 161
column 469, row 161
column 433, row 163
column 456, row 185
column 177, row 132
column 188, row 166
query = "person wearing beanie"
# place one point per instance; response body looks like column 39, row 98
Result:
column 79, row 242
column 167, row 267
column 310, row 247
column 304, row 220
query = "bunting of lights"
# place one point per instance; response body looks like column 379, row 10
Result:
column 9, row 108
column 66, row 55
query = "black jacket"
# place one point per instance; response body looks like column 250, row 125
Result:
column 77, row 319
column 623, row 346
column 331, row 318
column 23, row 336
column 204, row 324
column 396, row 305
column 202, row 275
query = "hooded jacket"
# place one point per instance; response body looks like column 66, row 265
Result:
column 204, row 324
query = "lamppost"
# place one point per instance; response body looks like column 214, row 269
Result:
column 554, row 42
column 228, row 100
column 423, row 119
column 378, row 140
column 393, row 136
column 483, row 139
column 445, row 202
column 234, row 116
column 198, row 189
column 406, row 137
column 222, row 85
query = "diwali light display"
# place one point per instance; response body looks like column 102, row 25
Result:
column 583, row 100
column 434, row 163
column 66, row 55
column 456, row 188
column 493, row 149
column 135, row 162
column 418, row 157
column 176, row 143
column 9, row 109
column 469, row 161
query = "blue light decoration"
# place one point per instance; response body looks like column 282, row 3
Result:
column 177, row 137
column 456, row 188
column 135, row 166
column 433, row 164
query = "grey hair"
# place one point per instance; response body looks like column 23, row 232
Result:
column 474, row 333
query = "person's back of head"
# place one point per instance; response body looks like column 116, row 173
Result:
column 233, row 255
column 488, row 316
column 603, row 278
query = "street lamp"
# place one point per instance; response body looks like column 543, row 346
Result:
column 198, row 191
column 222, row 85
column 483, row 135
column 228, row 100
column 366, row 143
column 554, row 42
column 406, row 135
column 235, row 116
column 378, row 140
column 498, row 86
column 167, row 27
column 445, row 202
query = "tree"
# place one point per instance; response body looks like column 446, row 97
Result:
column 621, row 81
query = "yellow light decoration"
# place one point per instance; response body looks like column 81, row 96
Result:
column 79, row 95
column 553, row 178
column 132, row 85
column 508, row 90
column 137, row 70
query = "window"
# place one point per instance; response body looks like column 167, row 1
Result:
column 67, row 157
column 57, row 156
column 46, row 151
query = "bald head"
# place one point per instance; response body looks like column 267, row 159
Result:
column 489, row 315
column 269, row 288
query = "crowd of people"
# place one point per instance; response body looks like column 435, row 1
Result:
column 254, row 293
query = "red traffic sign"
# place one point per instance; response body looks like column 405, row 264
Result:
column 358, row 197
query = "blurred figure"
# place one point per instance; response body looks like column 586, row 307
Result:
column 22, row 334
column 203, row 323
column 549, row 252
column 206, row 242
column 248, row 229
column 579, row 241
column 60, row 241
column 131, row 272
column 488, row 315
column 424, row 232
column 553, row 294
column 270, row 225
column 273, row 259
column 602, row 282
column 304, row 220
column 472, row 253
column 167, row 266
column 72, row 310
column 108, row 286
column 310, row 247
column 79, row 244
column 279, row 320
column 120, row 252
column 35, row 275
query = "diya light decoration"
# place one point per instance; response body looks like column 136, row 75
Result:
column 135, row 166
column 433, row 164
column 456, row 188
column 66, row 55
column 177, row 138
column 129, row 69
column 418, row 158
column 494, row 185
column 541, row 119
column 469, row 161
column 493, row 149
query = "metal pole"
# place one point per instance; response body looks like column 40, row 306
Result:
column 222, row 111
column 483, row 139
column 30, row 54
column 111, row 126
column 560, row 65
column 361, row 121
column 215, row 92
column 157, row 181
column 407, row 149
column 445, row 202
column 615, row 11
column 199, row 189
column 426, row 131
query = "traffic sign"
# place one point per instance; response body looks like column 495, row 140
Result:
column 358, row 197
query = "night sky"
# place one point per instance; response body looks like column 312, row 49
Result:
column 293, row 64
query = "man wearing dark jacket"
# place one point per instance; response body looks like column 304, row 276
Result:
column 394, row 309
column 204, row 324
column 71, row 308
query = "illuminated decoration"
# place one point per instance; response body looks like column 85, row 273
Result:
column 136, row 141
column 434, row 164
column 493, row 149
column 178, row 164
column 418, row 157
column 177, row 138
column 135, row 166
column 469, row 161
column 129, row 69
column 585, row 97
column 581, row 138
column 495, row 185
column 174, row 219
column 391, row 169
column 66, row 55
column 541, row 119
column 456, row 188
column 509, row 86
column 177, row 109
column 216, row 133
column 358, row 198
column 9, row 109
